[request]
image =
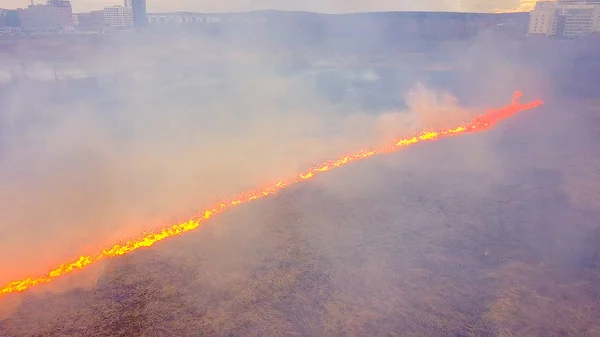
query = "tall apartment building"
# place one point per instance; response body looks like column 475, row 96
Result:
column 118, row 16
column 565, row 18
column 62, row 12
column 542, row 18
column 140, row 17
column 54, row 14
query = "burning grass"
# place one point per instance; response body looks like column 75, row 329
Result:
column 411, row 263
column 419, row 251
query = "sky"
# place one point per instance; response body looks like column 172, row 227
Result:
column 322, row 6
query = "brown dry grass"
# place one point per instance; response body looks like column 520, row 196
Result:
column 350, row 255
column 453, row 276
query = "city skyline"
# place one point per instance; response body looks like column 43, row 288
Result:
column 322, row 6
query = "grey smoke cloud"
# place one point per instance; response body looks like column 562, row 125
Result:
column 156, row 139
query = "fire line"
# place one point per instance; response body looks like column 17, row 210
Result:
column 479, row 123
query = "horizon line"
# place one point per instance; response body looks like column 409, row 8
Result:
column 495, row 12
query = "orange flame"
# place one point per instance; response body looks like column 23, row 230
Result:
column 479, row 123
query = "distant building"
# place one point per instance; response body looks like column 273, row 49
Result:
column 542, row 18
column 140, row 17
column 12, row 18
column 62, row 12
column 92, row 21
column 565, row 18
column 181, row 18
column 37, row 17
column 118, row 16
column 54, row 14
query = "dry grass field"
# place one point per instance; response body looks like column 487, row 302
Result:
column 392, row 247
column 492, row 234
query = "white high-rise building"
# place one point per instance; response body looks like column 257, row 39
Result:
column 542, row 18
column 565, row 18
column 119, row 16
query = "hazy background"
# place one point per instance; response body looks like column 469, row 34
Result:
column 324, row 6
column 484, row 234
